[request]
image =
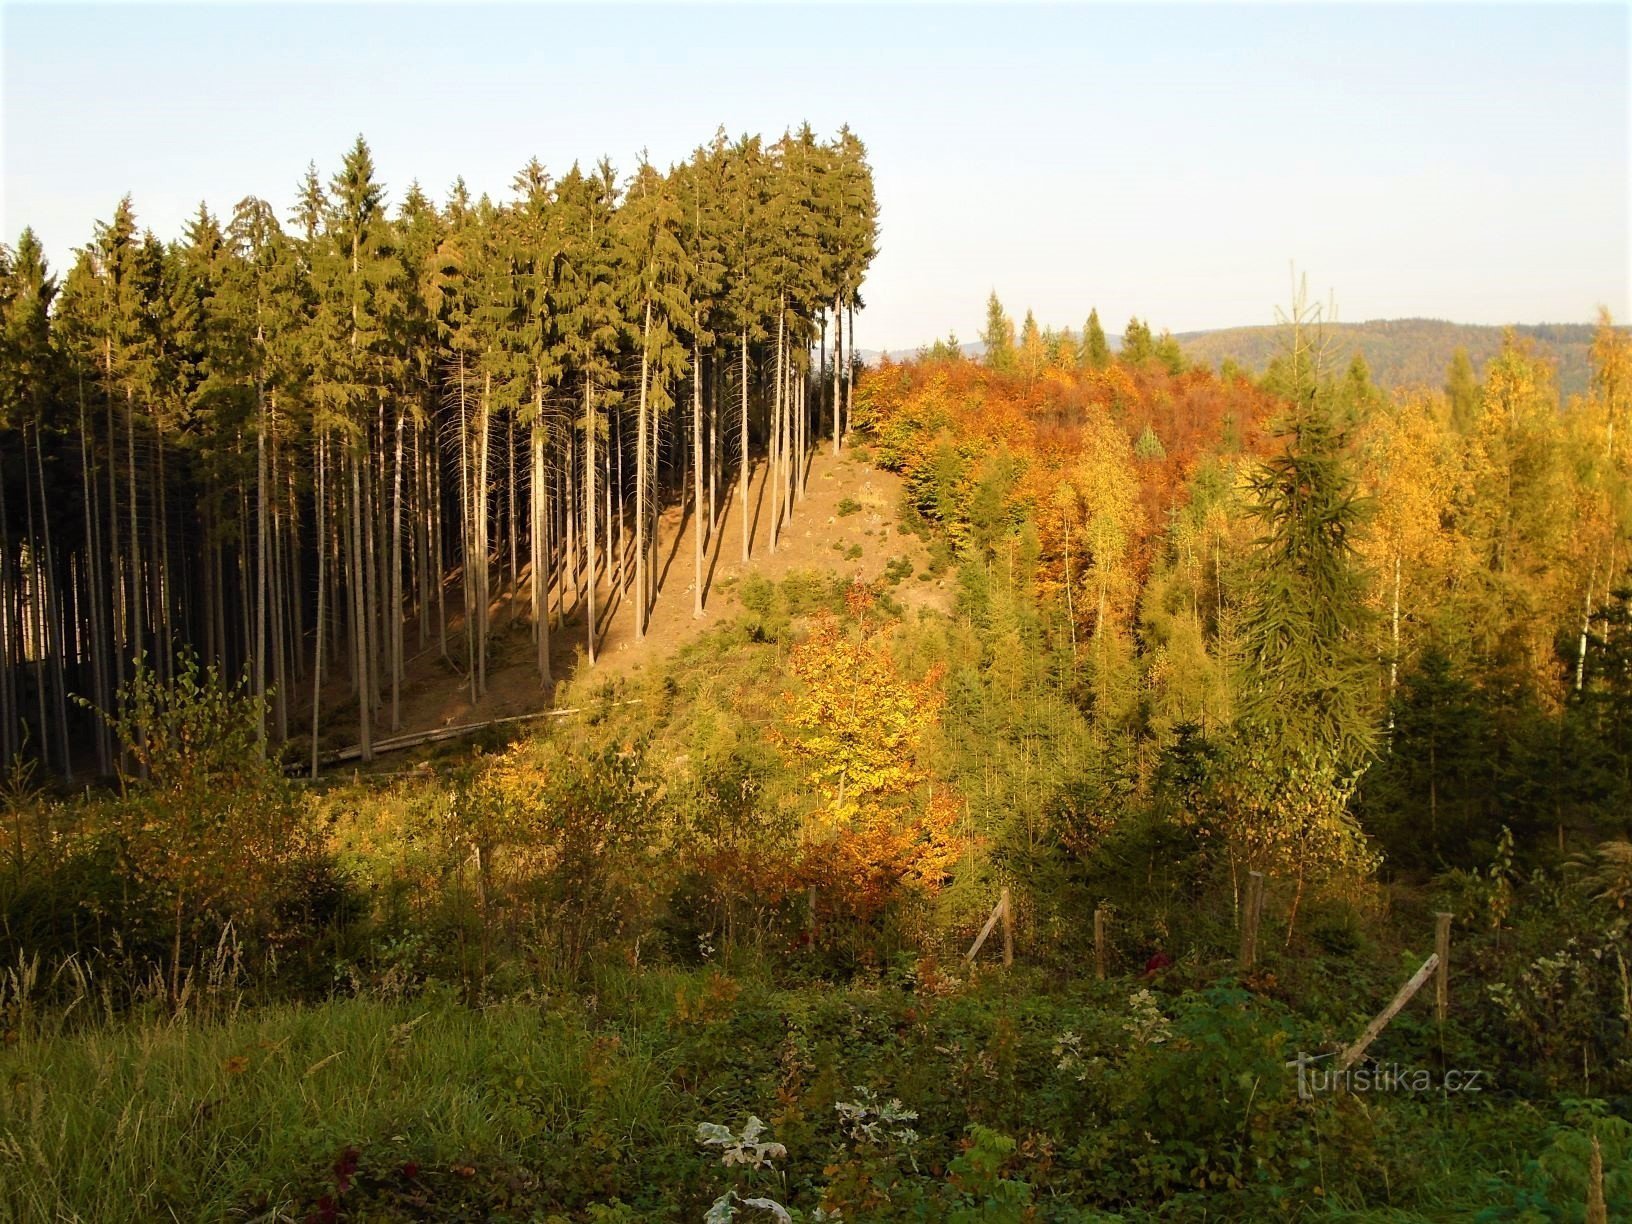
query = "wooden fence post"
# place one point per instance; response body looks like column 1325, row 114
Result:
column 1008, row 928
column 1249, row 919
column 1100, row 951
column 1000, row 913
column 1442, row 973
column 1352, row 1055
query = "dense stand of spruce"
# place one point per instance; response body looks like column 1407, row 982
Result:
column 288, row 449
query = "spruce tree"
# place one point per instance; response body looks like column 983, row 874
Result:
column 1137, row 346
column 998, row 336
column 1462, row 390
column 1096, row 352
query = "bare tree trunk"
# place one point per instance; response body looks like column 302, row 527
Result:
column 838, row 369
column 589, row 513
column 616, row 546
column 850, row 366
column 697, row 524
column 160, row 583
column 321, row 501
column 10, row 715
column 100, row 645
column 394, row 550
column 258, row 654
column 359, row 613
column 510, row 506
column 484, row 446
column 539, row 539
column 773, row 475
column 711, row 411
column 466, row 535
column 422, row 551
column 641, row 602
column 279, row 582
column 742, row 459
column 370, row 575
column 136, row 633
column 570, row 510
column 1581, row 646
column 55, row 643
column 438, row 543
column 118, row 608
column 35, row 614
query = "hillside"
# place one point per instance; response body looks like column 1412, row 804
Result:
column 1405, row 352
column 1400, row 352
column 841, row 526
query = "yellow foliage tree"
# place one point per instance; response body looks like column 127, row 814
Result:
column 857, row 724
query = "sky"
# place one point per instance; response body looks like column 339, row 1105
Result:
column 1171, row 162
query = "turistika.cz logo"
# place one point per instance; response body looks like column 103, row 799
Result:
column 1315, row 1078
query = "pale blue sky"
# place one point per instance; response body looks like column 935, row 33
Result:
column 1468, row 162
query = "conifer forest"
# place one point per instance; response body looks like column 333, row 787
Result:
column 525, row 702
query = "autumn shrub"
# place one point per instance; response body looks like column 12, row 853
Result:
column 1548, row 966
column 207, row 846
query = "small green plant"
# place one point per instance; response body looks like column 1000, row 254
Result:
column 745, row 1150
column 848, row 506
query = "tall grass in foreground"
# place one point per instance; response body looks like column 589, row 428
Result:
column 203, row 1119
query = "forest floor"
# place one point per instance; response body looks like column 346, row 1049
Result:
column 844, row 524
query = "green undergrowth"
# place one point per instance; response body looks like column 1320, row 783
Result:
column 1030, row 1102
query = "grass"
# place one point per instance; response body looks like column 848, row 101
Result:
column 422, row 1108
column 199, row 1120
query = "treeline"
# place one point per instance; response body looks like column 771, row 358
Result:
column 1408, row 352
column 288, row 447
column 1443, row 575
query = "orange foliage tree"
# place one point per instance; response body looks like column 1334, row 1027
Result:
column 858, row 727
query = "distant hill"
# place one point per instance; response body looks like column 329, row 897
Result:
column 1404, row 352
column 1400, row 352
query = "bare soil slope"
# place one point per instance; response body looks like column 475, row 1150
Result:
column 845, row 524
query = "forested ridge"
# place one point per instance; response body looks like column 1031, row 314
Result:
column 287, row 443
column 1408, row 353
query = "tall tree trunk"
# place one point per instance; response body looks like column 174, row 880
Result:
column 438, row 543
column 280, row 677
column 370, row 575
column 467, row 533
column 484, row 441
column 35, row 615
column 617, row 544
column 641, row 603
column 697, row 517
column 322, row 588
column 773, row 444
column 742, row 459
column 360, row 619
column 262, row 536
column 838, row 367
column 713, row 444
column 136, row 633
column 119, row 610
column 539, row 540
column 395, row 550
column 10, row 646
column 589, row 512
column 1581, row 645
column 160, row 581
column 850, row 365
column 511, row 527
column 421, row 553
column 100, row 645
